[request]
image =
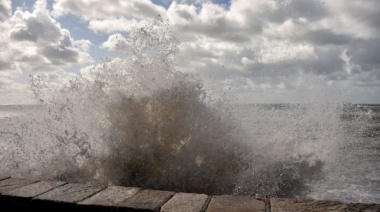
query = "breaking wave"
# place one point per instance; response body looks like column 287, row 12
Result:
column 137, row 120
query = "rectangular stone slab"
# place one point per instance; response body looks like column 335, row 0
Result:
column 70, row 193
column 34, row 189
column 185, row 202
column 229, row 203
column 285, row 205
column 146, row 200
column 111, row 196
column 13, row 183
column 3, row 177
column 364, row 207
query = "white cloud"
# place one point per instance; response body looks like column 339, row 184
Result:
column 38, row 43
column 5, row 9
column 113, row 42
column 99, row 9
column 261, row 44
column 112, row 25
column 109, row 17
column 278, row 51
column 33, row 42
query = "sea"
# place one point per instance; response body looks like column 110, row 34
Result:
column 295, row 151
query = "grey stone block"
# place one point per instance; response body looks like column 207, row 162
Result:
column 110, row 196
column 285, row 205
column 185, row 202
column 229, row 203
column 3, row 177
column 34, row 189
column 13, row 183
column 354, row 207
column 70, row 193
column 148, row 200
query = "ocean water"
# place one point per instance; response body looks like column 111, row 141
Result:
column 138, row 120
column 283, row 155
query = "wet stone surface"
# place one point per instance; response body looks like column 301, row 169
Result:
column 70, row 193
column 364, row 207
column 28, row 195
column 3, row 177
column 285, row 205
column 146, row 200
column 230, row 203
column 185, row 202
column 34, row 189
column 111, row 196
column 13, row 183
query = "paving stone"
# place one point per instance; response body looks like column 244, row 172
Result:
column 111, row 196
column 235, row 203
column 185, row 202
column 13, row 183
column 364, row 207
column 70, row 193
column 149, row 200
column 3, row 177
column 35, row 189
column 285, row 205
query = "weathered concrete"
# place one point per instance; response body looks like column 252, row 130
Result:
column 13, row 183
column 363, row 207
column 185, row 202
column 71, row 193
column 149, row 200
column 231, row 203
column 64, row 198
column 284, row 205
column 35, row 189
column 110, row 196
column 19, row 199
column 29, row 195
column 3, row 177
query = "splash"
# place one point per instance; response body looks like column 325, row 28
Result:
column 137, row 120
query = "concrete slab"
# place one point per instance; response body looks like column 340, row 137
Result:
column 111, row 196
column 19, row 199
column 285, row 205
column 185, row 202
column 148, row 200
column 363, row 207
column 34, row 189
column 13, row 183
column 229, row 203
column 70, row 193
column 3, row 177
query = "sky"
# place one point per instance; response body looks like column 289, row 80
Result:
column 259, row 51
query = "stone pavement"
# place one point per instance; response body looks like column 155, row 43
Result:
column 32, row 195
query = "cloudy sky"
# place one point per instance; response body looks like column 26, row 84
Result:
column 254, row 50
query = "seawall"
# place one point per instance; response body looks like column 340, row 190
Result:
column 32, row 195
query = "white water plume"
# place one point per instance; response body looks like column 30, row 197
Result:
column 137, row 120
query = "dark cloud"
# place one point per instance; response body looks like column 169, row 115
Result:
column 36, row 27
column 326, row 37
column 367, row 12
column 60, row 55
column 328, row 61
column 185, row 14
column 312, row 10
column 22, row 34
column 366, row 53
column 5, row 65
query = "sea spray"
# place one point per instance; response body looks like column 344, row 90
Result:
column 137, row 120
